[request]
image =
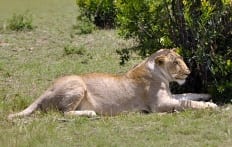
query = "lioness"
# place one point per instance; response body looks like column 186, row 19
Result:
column 144, row 88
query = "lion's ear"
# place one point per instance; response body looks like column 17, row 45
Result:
column 175, row 50
column 160, row 60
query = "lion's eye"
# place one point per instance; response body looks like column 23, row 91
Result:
column 175, row 62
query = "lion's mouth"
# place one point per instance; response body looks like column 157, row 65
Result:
column 182, row 77
column 179, row 77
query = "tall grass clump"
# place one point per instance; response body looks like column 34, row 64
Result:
column 71, row 49
column 20, row 22
column 83, row 26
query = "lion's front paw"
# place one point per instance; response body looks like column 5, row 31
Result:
column 88, row 113
column 211, row 105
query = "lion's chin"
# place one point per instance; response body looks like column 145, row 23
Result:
column 180, row 81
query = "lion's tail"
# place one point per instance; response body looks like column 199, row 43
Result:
column 28, row 111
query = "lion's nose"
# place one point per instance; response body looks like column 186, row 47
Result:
column 187, row 71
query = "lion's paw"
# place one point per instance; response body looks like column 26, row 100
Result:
column 88, row 113
column 211, row 105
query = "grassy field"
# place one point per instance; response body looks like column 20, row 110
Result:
column 30, row 60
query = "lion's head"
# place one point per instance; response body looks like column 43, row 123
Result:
column 169, row 65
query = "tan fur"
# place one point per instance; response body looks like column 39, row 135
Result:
column 144, row 88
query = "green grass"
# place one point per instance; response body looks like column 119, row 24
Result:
column 31, row 60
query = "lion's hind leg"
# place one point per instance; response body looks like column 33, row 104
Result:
column 71, row 98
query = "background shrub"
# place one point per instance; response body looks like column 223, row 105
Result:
column 101, row 12
column 144, row 20
column 20, row 22
column 202, row 28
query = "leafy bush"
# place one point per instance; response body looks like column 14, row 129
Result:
column 201, row 28
column 144, row 20
column 101, row 12
column 20, row 22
